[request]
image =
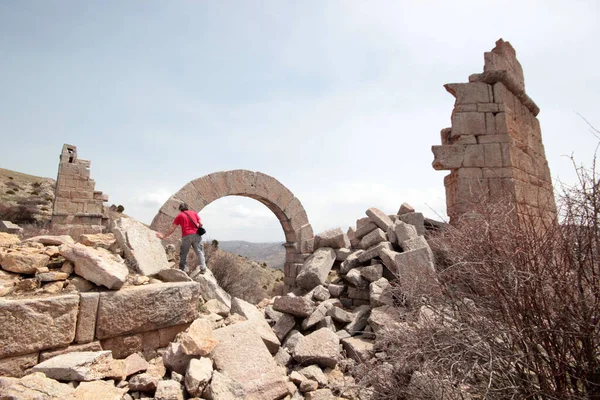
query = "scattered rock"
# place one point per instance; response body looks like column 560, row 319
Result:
column 320, row 347
column 315, row 269
column 96, row 265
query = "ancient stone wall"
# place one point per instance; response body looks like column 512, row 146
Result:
column 78, row 207
column 494, row 148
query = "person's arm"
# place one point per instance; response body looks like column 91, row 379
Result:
column 199, row 221
column 161, row 236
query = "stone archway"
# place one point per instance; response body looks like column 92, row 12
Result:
column 264, row 188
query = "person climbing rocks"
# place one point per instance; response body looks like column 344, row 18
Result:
column 189, row 222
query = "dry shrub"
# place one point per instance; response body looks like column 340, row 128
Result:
column 520, row 317
column 236, row 275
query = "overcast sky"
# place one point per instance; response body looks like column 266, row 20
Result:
column 340, row 101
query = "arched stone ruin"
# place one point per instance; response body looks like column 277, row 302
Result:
column 287, row 208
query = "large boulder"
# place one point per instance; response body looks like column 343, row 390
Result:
column 243, row 357
column 320, row 347
column 146, row 308
column 142, row 248
column 30, row 325
column 333, row 238
column 316, row 268
column 96, row 265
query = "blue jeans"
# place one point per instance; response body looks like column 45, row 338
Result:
column 194, row 241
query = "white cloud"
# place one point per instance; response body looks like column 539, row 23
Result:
column 154, row 199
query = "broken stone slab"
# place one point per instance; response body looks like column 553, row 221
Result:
column 387, row 318
column 321, row 293
column 415, row 219
column 22, row 262
column 198, row 339
column 374, row 251
column 365, row 229
column 51, row 276
column 351, row 262
column 282, row 358
column 169, row 390
column 320, row 394
column 49, row 240
column 217, row 307
column 144, row 382
column 9, row 227
column 297, row 306
column 134, row 363
column 373, row 238
column 313, row 372
column 8, row 239
column 16, row 366
column 284, row 325
column 96, row 265
column 38, row 323
column 372, row 272
column 320, row 347
column 176, row 359
column 404, row 231
column 78, row 366
column 142, row 248
column 352, row 237
column 405, row 208
column 340, row 315
column 358, row 294
column 380, row 218
column 417, row 243
column 328, row 323
column 174, row 275
column 333, row 238
column 35, row 386
column 243, row 357
column 292, row 340
column 308, row 385
column 48, row 354
column 224, row 388
column 358, row 323
column 146, row 308
column 99, row 390
column 104, row 240
column 210, row 289
column 319, row 313
column 335, row 290
column 246, row 310
column 198, row 375
column 354, row 277
column 315, row 269
column 416, row 272
column 342, row 254
column 359, row 349
column 381, row 293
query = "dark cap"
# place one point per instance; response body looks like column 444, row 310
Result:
column 183, row 207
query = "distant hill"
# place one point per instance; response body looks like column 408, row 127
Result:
column 25, row 198
column 271, row 253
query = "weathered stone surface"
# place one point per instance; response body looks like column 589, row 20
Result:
column 354, row 277
column 374, row 251
column 174, row 275
column 176, row 359
column 333, row 238
column 210, row 289
column 104, row 240
column 17, row 365
column 86, row 318
column 415, row 219
column 387, row 318
column 245, row 309
column 198, row 340
column 416, row 272
column 380, row 293
column 8, row 239
column 37, row 323
column 9, row 227
column 381, row 219
column 320, row 394
column 358, row 293
column 282, row 358
column 417, row 243
column 243, row 357
column 26, row 285
column 319, row 313
column 198, row 375
column 297, row 306
column 404, row 231
column 22, row 262
column 123, row 346
column 351, row 262
column 284, row 325
column 365, row 229
column 51, row 276
column 80, row 284
column 405, row 208
column 361, row 315
column 79, row 366
column 372, row 272
column 340, row 314
column 169, row 390
column 134, row 364
column 335, row 290
column 316, row 268
column 49, row 240
column 308, row 385
column 321, row 293
column 34, row 386
column 320, row 347
column 224, row 388
column 141, row 246
column 145, row 308
column 359, row 349
column 352, row 237
column 96, row 265
column 314, row 373
column 99, row 390
column 217, row 307
column 292, row 340
column 76, row 348
column 342, row 254
column 373, row 238
column 144, row 382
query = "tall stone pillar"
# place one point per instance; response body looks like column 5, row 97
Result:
column 494, row 148
column 78, row 207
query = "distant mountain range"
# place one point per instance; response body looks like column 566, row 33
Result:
column 271, row 253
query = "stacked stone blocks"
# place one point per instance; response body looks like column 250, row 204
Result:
column 78, row 207
column 494, row 148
